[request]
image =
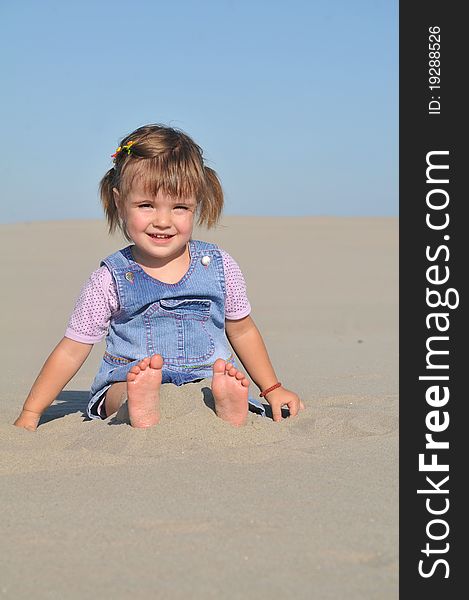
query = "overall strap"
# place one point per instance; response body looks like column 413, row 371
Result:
column 118, row 260
column 201, row 247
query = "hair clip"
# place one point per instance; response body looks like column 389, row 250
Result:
column 126, row 148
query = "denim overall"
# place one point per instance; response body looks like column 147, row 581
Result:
column 183, row 321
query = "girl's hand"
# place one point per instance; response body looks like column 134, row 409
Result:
column 283, row 397
column 28, row 420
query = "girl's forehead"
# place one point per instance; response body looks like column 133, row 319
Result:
column 139, row 190
column 158, row 177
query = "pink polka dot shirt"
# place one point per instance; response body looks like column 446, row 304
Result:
column 98, row 302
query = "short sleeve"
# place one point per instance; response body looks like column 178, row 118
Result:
column 237, row 304
column 94, row 308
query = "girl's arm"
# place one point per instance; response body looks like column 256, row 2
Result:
column 63, row 363
column 248, row 344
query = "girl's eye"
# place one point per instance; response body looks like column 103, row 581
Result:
column 145, row 206
column 181, row 207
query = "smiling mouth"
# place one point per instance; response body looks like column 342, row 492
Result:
column 160, row 236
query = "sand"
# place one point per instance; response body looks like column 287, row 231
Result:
column 195, row 508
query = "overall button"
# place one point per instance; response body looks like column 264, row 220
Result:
column 205, row 260
column 129, row 276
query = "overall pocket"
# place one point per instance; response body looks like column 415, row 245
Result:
column 179, row 330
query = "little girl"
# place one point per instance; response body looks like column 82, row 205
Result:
column 167, row 304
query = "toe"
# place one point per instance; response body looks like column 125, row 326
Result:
column 156, row 361
column 239, row 375
column 143, row 364
column 135, row 369
column 232, row 371
column 219, row 366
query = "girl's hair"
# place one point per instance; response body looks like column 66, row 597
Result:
column 162, row 158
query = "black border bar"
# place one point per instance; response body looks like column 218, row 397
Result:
column 433, row 298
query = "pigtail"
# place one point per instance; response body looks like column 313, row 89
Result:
column 211, row 203
column 106, row 186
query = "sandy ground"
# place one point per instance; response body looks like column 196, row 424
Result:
column 194, row 508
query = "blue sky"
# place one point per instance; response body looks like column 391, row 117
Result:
column 294, row 103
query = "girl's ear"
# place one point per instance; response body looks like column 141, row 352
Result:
column 117, row 200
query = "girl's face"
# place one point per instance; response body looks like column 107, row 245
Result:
column 160, row 226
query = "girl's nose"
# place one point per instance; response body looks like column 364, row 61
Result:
column 162, row 218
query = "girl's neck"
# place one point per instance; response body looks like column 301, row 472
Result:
column 167, row 270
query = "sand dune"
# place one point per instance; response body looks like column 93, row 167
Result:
column 195, row 508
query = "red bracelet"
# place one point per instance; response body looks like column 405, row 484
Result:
column 274, row 387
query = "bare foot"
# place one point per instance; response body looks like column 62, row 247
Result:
column 230, row 390
column 143, row 391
